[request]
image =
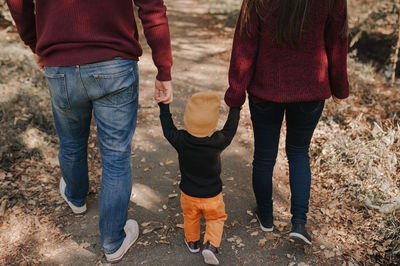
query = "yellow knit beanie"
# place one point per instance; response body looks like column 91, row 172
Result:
column 201, row 114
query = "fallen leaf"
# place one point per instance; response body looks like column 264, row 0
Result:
column 280, row 225
column 84, row 245
column 147, row 230
column 163, row 242
column 145, row 243
column 174, row 195
column 168, row 162
column 254, row 233
column 180, row 226
column 231, row 239
column 253, row 221
column 261, row 242
column 230, row 179
column 250, row 213
column 2, row 175
column 329, row 254
column 145, row 224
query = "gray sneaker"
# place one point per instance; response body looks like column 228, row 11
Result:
column 75, row 209
column 132, row 232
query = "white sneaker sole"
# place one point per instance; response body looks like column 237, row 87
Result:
column 133, row 236
column 190, row 249
column 76, row 210
column 209, row 257
column 297, row 236
column 265, row 229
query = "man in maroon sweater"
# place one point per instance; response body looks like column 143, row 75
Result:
column 89, row 51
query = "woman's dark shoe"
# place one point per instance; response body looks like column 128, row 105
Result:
column 266, row 225
column 299, row 233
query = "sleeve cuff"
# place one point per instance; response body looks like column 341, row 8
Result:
column 33, row 47
column 164, row 108
column 164, row 74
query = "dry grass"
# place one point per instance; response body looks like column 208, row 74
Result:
column 356, row 165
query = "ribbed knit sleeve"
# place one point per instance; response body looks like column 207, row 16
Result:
column 170, row 131
column 231, row 126
column 155, row 24
column 23, row 12
column 243, row 58
column 336, row 49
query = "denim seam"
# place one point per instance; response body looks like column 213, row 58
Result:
column 78, row 70
column 116, row 75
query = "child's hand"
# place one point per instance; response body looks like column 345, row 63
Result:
column 39, row 62
column 336, row 100
column 163, row 92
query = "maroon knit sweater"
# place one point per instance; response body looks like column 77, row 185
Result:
column 313, row 70
column 75, row 32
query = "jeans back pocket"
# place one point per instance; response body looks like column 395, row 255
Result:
column 58, row 90
column 118, row 88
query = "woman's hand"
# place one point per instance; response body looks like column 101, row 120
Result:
column 39, row 62
column 336, row 100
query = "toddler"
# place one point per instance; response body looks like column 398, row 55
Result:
column 199, row 148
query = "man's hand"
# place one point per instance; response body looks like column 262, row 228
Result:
column 336, row 100
column 164, row 92
column 39, row 62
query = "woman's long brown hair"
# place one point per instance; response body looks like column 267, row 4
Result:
column 292, row 17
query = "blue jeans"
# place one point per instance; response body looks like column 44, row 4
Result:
column 109, row 89
column 301, row 120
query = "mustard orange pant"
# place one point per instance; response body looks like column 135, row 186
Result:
column 213, row 210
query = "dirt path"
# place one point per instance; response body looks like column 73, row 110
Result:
column 201, row 51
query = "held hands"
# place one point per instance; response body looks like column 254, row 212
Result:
column 336, row 100
column 164, row 91
column 39, row 62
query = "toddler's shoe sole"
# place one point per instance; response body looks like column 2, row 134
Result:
column 209, row 257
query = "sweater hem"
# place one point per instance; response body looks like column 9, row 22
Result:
column 201, row 195
column 84, row 55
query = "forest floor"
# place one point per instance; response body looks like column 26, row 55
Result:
column 39, row 228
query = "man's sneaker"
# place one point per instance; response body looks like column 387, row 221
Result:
column 299, row 233
column 132, row 232
column 75, row 209
column 266, row 226
column 208, row 253
column 193, row 247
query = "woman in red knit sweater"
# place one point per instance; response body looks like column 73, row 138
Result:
column 290, row 56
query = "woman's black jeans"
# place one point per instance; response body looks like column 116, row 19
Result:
column 301, row 120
